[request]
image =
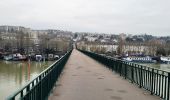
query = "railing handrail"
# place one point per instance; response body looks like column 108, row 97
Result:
column 32, row 80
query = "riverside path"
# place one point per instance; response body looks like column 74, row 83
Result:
column 85, row 79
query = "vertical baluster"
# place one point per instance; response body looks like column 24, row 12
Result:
column 21, row 94
column 144, row 75
column 157, row 82
column 136, row 74
column 27, row 91
column 165, row 87
column 132, row 72
column 33, row 89
column 147, row 78
column 152, row 75
column 125, row 70
column 168, row 87
column 162, row 84
column 141, row 77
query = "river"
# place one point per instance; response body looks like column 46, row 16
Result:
column 14, row 75
column 165, row 67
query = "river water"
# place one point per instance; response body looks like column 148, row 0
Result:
column 165, row 67
column 14, row 75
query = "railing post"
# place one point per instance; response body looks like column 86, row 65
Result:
column 152, row 75
column 116, row 65
column 141, row 78
column 168, row 86
column 132, row 72
column 40, row 78
column 21, row 94
column 125, row 70
column 120, row 68
column 27, row 91
column 162, row 85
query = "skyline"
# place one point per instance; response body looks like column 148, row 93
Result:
column 109, row 16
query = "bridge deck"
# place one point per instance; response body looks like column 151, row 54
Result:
column 85, row 79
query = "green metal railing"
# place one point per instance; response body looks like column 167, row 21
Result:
column 154, row 80
column 40, row 87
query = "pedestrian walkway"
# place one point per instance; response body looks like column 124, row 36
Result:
column 85, row 79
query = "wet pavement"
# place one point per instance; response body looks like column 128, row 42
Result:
column 85, row 79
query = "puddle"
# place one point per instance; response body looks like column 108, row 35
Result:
column 122, row 91
column 108, row 89
column 116, row 98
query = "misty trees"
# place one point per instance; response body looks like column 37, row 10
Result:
column 121, row 44
column 33, row 42
column 50, row 43
column 161, row 51
column 43, row 44
column 6, row 42
column 20, row 41
column 27, row 43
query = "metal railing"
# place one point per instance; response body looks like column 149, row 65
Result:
column 40, row 87
column 154, row 80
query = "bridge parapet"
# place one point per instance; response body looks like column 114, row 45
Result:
column 154, row 80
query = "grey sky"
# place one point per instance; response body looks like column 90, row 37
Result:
column 108, row 16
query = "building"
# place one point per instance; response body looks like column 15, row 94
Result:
column 13, row 29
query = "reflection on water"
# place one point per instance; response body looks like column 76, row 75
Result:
column 14, row 75
column 165, row 67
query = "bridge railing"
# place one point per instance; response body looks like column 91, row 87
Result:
column 154, row 80
column 40, row 87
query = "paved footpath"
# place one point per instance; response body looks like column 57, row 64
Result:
column 85, row 79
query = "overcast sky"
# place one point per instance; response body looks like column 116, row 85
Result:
column 104, row 16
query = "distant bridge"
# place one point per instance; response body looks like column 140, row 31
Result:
column 89, row 76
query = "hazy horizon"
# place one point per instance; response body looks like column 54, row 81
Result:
column 101, row 16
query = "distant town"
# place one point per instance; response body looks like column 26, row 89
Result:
column 28, row 42
column 124, row 43
column 19, row 43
